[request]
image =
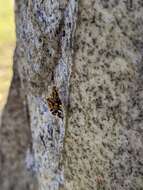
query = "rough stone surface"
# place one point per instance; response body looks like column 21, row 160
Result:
column 104, row 135
column 45, row 32
column 14, row 139
column 91, row 51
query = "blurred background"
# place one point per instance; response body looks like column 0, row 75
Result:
column 7, row 44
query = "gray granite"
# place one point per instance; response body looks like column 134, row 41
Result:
column 104, row 133
column 15, row 137
column 45, row 33
column 91, row 53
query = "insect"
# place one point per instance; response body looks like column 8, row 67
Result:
column 55, row 104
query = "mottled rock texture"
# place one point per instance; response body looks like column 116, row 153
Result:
column 82, row 59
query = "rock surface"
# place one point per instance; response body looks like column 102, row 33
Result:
column 82, row 59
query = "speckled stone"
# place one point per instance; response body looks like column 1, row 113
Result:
column 15, row 138
column 91, row 50
column 45, row 33
column 104, row 131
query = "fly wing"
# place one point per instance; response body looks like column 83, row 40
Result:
column 50, row 103
column 55, row 93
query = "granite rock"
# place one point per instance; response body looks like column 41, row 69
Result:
column 82, row 59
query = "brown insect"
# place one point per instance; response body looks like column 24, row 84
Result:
column 55, row 104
